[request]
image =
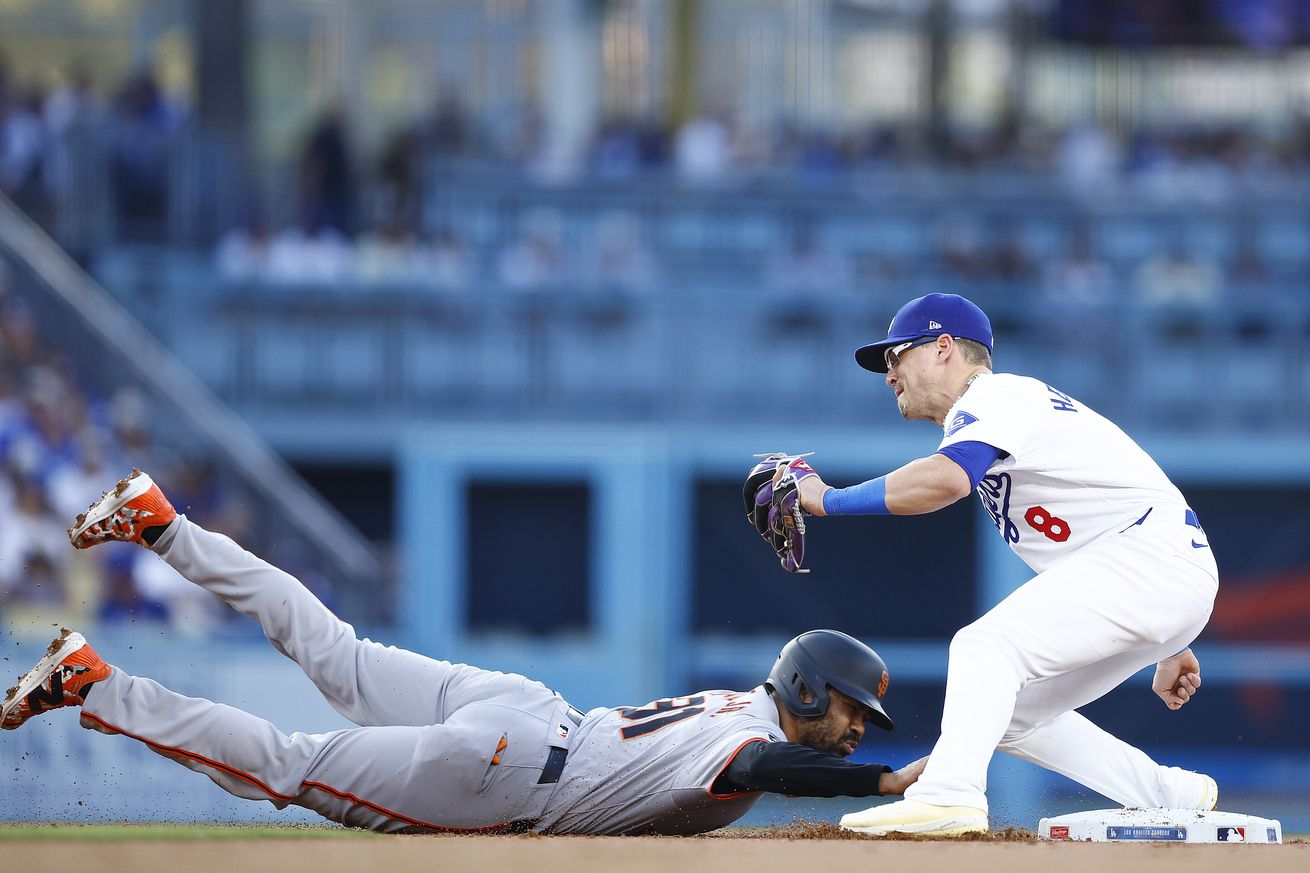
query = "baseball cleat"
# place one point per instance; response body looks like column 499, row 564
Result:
column 915, row 817
column 123, row 513
column 61, row 678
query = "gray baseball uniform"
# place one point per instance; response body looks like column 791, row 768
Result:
column 440, row 745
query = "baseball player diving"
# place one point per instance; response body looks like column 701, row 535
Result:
column 443, row 746
column 1125, row 574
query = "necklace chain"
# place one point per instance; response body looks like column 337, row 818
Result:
column 970, row 382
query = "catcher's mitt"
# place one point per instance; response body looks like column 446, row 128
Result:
column 773, row 506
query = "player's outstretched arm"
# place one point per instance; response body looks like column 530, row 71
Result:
column 800, row 771
column 921, row 486
column 1177, row 679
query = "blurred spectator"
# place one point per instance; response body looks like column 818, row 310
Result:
column 71, row 485
column 702, row 150
column 1078, row 278
column 327, row 174
column 398, row 175
column 242, row 254
column 1089, row 158
column 818, row 158
column 445, row 132
column 618, row 256
column 22, row 147
column 311, row 253
column 140, row 155
column 59, row 448
column 617, row 153
column 389, row 254
column 961, row 249
column 1178, row 277
column 32, row 544
column 809, row 269
column 39, row 582
column 537, row 257
column 129, row 420
column 445, row 262
column 1010, row 261
column 73, row 102
column 1249, row 268
column 70, row 113
column 1178, row 165
column 120, row 600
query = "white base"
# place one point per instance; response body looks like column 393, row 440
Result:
column 1160, row 825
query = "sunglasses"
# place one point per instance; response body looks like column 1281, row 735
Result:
column 893, row 355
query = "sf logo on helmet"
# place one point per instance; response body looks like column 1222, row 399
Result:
column 882, row 684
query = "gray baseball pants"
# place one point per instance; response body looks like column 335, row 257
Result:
column 439, row 745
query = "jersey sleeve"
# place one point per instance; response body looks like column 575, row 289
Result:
column 991, row 412
column 973, row 457
column 706, row 768
column 790, row 768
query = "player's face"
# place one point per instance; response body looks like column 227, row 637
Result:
column 839, row 730
column 909, row 375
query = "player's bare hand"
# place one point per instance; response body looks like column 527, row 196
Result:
column 1177, row 679
column 897, row 781
column 811, row 490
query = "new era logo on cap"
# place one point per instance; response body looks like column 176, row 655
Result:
column 933, row 325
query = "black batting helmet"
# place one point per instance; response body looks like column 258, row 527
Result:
column 823, row 659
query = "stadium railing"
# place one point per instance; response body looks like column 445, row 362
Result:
column 111, row 349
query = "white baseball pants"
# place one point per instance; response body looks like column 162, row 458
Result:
column 1064, row 639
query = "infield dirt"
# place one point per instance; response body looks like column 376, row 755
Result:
column 795, row 849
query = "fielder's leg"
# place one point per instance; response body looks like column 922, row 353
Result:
column 1046, row 731
column 1072, row 746
column 1124, row 596
column 368, row 683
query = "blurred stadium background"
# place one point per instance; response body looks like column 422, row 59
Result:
column 471, row 313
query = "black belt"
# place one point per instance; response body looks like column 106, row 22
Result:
column 558, row 756
column 554, row 766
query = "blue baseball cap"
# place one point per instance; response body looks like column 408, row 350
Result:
column 928, row 316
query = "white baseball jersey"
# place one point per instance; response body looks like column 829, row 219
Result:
column 1125, row 578
column 1069, row 476
column 651, row 768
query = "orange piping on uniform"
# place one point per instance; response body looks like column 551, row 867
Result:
column 289, row 798
column 728, row 763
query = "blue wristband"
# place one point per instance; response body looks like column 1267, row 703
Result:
column 867, row 498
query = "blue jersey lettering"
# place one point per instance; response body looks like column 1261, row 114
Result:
column 1061, row 401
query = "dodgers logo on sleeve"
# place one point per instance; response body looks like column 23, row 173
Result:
column 995, row 493
column 962, row 419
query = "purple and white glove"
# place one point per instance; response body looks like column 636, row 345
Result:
column 773, row 506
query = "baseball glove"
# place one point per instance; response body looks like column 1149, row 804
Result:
column 773, row 506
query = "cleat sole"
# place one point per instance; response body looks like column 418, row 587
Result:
column 64, row 645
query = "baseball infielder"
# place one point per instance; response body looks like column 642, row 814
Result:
column 446, row 746
column 1125, row 575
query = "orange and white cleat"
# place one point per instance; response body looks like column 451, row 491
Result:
column 123, row 513
column 61, row 678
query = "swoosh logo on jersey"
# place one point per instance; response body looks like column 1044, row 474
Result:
column 1197, row 545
